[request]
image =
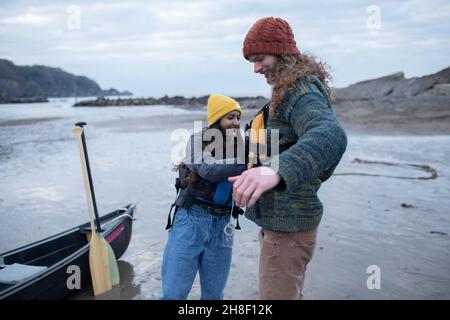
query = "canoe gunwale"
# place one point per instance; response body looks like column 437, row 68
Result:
column 113, row 219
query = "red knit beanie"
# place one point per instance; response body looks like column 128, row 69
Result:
column 270, row 36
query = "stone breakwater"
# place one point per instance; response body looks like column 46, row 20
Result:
column 180, row 101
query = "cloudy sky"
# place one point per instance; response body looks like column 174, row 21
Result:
column 158, row 47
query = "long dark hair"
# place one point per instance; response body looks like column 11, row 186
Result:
column 192, row 177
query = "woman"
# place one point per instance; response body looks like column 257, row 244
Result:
column 197, row 239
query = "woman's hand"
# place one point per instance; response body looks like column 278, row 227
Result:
column 252, row 183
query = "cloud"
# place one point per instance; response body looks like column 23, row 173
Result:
column 200, row 42
column 29, row 19
column 427, row 11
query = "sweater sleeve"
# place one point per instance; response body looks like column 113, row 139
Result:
column 322, row 142
column 209, row 168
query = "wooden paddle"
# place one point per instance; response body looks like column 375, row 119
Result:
column 102, row 261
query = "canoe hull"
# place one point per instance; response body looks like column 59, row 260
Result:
column 66, row 255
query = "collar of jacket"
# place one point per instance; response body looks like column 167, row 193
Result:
column 310, row 84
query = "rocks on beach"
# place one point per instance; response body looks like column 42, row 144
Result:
column 179, row 101
column 393, row 103
column 419, row 105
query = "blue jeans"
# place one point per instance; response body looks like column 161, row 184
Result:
column 196, row 243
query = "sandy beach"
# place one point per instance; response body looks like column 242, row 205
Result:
column 383, row 211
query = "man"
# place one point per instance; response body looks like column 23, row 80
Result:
column 282, row 199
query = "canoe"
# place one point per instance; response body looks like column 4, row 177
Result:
column 51, row 261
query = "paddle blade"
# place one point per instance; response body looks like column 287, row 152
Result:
column 113, row 267
column 99, row 265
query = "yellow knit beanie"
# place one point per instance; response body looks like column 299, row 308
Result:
column 219, row 105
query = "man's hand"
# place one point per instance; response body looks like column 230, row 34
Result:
column 252, row 183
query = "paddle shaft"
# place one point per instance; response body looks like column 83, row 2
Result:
column 99, row 261
column 91, row 185
column 78, row 132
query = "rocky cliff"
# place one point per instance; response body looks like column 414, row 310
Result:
column 36, row 83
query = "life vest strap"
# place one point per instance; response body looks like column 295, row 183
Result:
column 257, row 136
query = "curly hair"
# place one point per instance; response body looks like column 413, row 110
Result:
column 288, row 69
column 193, row 177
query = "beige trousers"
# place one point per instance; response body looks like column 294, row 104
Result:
column 282, row 263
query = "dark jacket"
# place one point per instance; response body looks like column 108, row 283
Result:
column 206, row 166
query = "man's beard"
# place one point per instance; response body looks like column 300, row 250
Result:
column 270, row 76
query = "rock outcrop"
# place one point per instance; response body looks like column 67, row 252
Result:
column 25, row 84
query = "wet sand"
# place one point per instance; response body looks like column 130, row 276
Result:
column 400, row 225
column 24, row 122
